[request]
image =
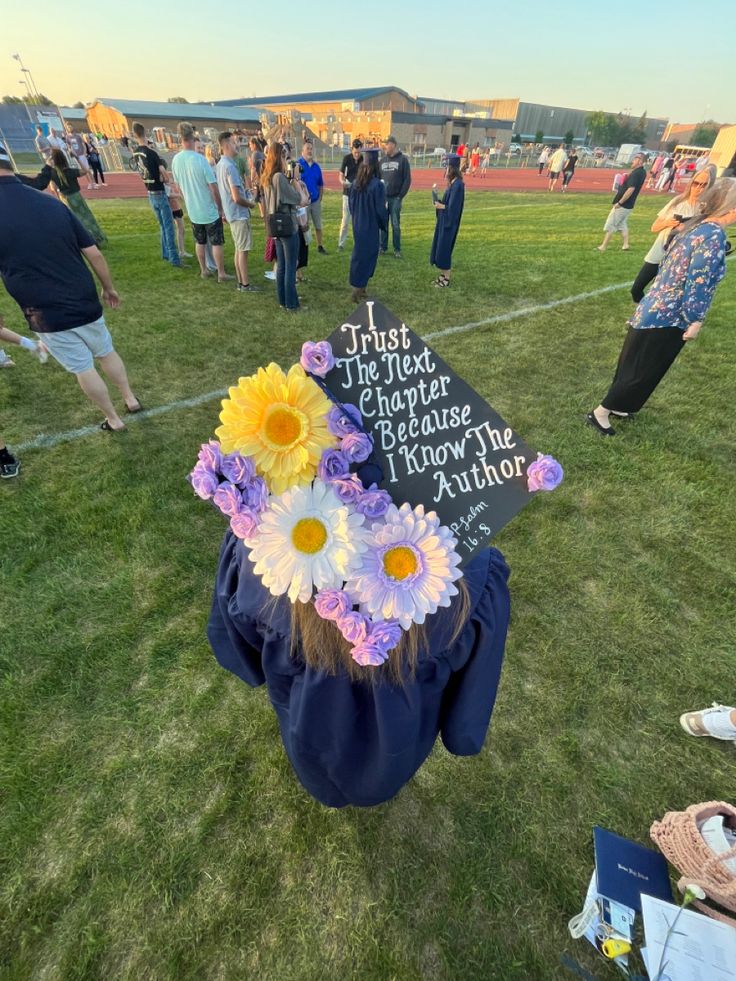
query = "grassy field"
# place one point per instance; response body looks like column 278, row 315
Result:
column 151, row 826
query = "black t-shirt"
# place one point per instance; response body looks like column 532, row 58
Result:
column 569, row 167
column 41, row 263
column 349, row 169
column 148, row 162
column 636, row 180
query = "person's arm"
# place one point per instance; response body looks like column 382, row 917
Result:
column 215, row 192
column 700, row 285
column 321, row 184
column 237, row 192
column 664, row 220
column 625, row 196
column 10, row 337
column 102, row 271
column 406, row 182
column 286, row 193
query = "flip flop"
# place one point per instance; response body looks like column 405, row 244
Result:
column 107, row 428
column 132, row 412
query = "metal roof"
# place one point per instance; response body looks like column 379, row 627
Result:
column 72, row 112
column 339, row 95
column 201, row 111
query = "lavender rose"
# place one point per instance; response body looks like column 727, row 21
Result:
column 204, row 481
column 238, row 468
column 349, row 489
column 357, row 447
column 374, row 503
column 334, row 463
column 255, row 494
column 344, row 419
column 228, row 499
column 245, row 523
column 544, row 474
column 317, row 359
column 331, row 604
column 386, row 634
column 368, row 654
column 210, row 455
column 353, row 627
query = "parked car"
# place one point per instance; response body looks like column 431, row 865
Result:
column 514, row 148
column 585, row 151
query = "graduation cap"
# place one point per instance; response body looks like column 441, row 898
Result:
column 371, row 152
column 453, row 160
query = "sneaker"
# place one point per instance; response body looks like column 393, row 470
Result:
column 714, row 722
column 247, row 288
column 322, row 250
column 10, row 468
column 269, row 275
column 6, row 361
column 187, row 255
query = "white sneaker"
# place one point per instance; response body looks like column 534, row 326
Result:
column 269, row 275
column 714, row 722
column 5, row 361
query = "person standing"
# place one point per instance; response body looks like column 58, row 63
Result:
column 236, row 203
column 667, row 173
column 669, row 220
column 395, row 172
column 623, row 204
column 485, row 163
column 279, row 196
column 568, row 170
column 449, row 212
column 311, row 174
column 78, row 150
column 65, row 181
column 370, row 220
column 153, row 173
column 348, row 172
column 95, row 162
column 672, row 312
column 475, row 159
column 556, row 162
column 199, row 186
column 43, row 247
column 542, row 160
column 57, row 142
column 42, row 144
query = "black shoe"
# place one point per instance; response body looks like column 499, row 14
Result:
column 622, row 415
column 247, row 288
column 322, row 250
column 10, row 468
column 603, row 430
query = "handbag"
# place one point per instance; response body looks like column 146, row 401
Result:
column 282, row 224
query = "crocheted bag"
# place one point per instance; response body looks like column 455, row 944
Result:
column 678, row 837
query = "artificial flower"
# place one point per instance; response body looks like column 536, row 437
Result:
column 409, row 568
column 279, row 420
column 204, row 481
column 333, row 464
column 353, row 627
column 349, row 489
column 317, row 359
column 238, row 468
column 373, row 503
column 357, row 447
column 210, row 455
column 385, row 633
column 228, row 498
column 245, row 523
column 545, row 473
column 344, row 419
column 368, row 653
column 332, row 603
column 255, row 494
column 307, row 538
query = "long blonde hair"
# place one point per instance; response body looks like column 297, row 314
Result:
column 715, row 202
column 710, row 171
column 322, row 645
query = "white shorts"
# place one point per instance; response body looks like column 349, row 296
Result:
column 618, row 220
column 75, row 349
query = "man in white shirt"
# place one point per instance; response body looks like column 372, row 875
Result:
column 556, row 162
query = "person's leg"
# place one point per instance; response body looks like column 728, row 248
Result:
column 625, row 232
column 606, row 239
column 646, row 274
column 384, row 231
column 201, row 251
column 291, row 254
column 168, row 232
column 180, row 241
column 218, row 254
column 96, row 391
column 343, row 236
column 280, row 271
column 241, row 267
column 315, row 211
column 395, row 212
column 153, row 201
column 112, row 365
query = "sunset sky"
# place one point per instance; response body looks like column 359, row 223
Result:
column 623, row 56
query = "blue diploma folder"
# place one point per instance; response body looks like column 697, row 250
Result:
column 625, row 869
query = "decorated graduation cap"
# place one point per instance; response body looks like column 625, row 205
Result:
column 365, row 477
column 371, row 153
column 453, row 160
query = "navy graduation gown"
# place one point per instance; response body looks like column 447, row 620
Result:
column 448, row 224
column 352, row 742
column 369, row 217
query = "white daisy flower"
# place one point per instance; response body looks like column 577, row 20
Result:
column 409, row 568
column 307, row 538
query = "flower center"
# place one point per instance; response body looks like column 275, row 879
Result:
column 400, row 562
column 308, row 535
column 282, row 427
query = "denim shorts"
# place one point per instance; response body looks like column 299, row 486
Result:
column 76, row 349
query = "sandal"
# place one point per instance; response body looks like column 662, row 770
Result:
column 107, row 428
column 132, row 412
column 442, row 282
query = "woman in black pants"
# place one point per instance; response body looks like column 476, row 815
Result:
column 669, row 219
column 95, row 163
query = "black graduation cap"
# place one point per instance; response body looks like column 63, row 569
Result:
column 453, row 159
column 437, row 441
column 371, row 152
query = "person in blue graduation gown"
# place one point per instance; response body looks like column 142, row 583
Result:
column 449, row 212
column 355, row 736
column 369, row 216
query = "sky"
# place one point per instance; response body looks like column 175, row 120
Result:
column 618, row 56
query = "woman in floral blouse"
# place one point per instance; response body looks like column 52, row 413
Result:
column 672, row 312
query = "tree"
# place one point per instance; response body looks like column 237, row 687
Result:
column 601, row 126
column 705, row 133
column 14, row 100
column 178, row 98
column 539, row 136
column 516, row 138
column 78, row 105
column 569, row 136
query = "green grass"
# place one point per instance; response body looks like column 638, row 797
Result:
column 151, row 826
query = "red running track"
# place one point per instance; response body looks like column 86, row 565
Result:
column 589, row 180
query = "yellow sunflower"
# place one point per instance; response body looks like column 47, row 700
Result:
column 281, row 421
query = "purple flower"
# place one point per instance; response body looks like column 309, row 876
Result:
column 357, row 447
column 368, row 654
column 204, row 481
column 238, row 468
column 245, row 523
column 344, row 419
column 255, row 494
column 317, row 359
column 210, row 455
column 374, row 503
column 332, row 603
column 386, row 634
column 228, row 499
column 349, row 489
column 333, row 464
column 353, row 627
column 544, row 474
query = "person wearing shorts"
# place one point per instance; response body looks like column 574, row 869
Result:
column 311, row 174
column 43, row 246
column 623, row 204
column 237, row 204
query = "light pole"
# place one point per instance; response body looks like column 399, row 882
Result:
column 32, row 90
column 25, row 102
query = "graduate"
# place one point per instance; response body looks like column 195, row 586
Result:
column 449, row 212
column 369, row 216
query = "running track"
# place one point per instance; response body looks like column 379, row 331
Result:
column 589, row 180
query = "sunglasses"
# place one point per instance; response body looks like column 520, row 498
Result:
column 700, row 183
